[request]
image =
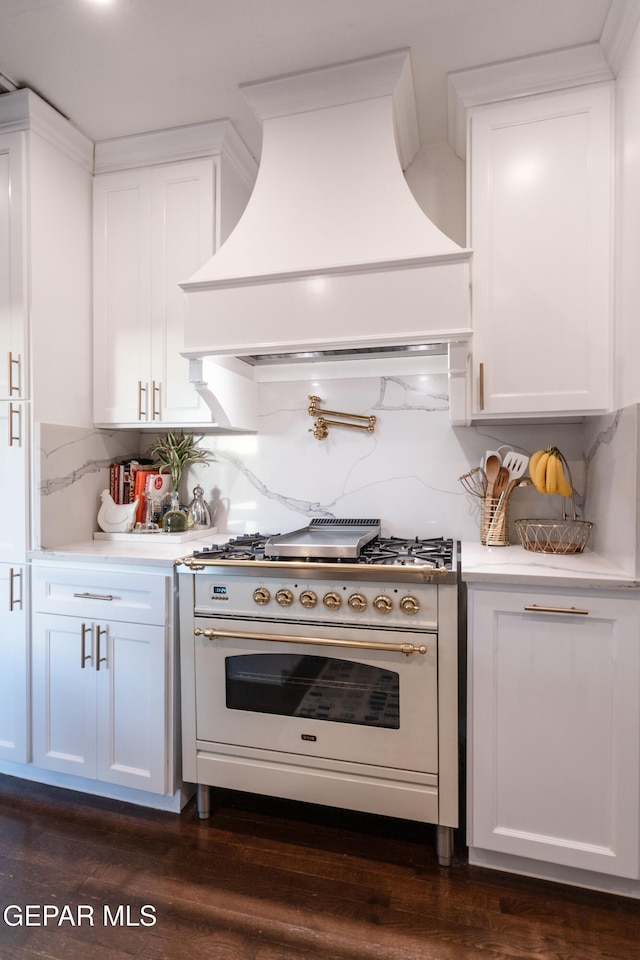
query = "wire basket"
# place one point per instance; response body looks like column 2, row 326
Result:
column 494, row 529
column 554, row 536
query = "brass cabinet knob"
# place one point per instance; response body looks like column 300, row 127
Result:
column 261, row 595
column 409, row 605
column 383, row 604
column 357, row 602
column 308, row 599
column 332, row 601
column 284, row 598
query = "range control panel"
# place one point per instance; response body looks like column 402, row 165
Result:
column 381, row 603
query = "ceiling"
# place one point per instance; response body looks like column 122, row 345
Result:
column 127, row 66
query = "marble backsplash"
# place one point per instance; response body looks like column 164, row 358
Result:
column 405, row 472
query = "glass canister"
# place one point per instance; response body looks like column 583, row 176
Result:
column 175, row 519
column 199, row 510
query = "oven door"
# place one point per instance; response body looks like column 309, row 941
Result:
column 346, row 693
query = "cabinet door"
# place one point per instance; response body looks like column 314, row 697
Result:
column 555, row 729
column 540, row 208
column 182, row 235
column 14, row 677
column 122, row 297
column 13, row 371
column 131, row 707
column 64, row 695
column 154, row 227
column 14, row 433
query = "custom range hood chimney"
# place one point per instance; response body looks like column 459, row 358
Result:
column 332, row 256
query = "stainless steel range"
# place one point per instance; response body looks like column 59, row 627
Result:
column 322, row 665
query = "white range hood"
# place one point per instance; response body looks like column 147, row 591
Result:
column 332, row 255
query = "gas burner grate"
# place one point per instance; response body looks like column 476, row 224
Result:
column 436, row 552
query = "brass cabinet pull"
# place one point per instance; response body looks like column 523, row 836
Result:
column 84, row 656
column 155, row 390
column 142, row 413
column 99, row 633
column 14, row 600
column 406, row 648
column 94, row 596
column 14, row 362
column 538, row 608
column 15, row 437
column 481, row 384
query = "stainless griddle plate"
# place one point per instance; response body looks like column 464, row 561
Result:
column 324, row 538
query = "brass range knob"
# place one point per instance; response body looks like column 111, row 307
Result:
column 332, row 600
column 357, row 602
column 284, row 598
column 383, row 604
column 261, row 595
column 308, row 599
column 409, row 605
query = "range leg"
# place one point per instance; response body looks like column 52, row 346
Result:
column 204, row 801
column 444, row 846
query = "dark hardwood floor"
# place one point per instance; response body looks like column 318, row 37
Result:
column 271, row 880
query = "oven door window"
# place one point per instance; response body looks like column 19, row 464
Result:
column 317, row 688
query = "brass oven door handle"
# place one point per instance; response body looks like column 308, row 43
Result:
column 406, row 648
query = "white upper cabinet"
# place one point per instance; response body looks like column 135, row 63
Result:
column 155, row 224
column 12, row 326
column 540, row 212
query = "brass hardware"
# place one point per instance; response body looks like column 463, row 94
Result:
column 261, row 595
column 409, row 605
column 94, row 596
column 537, row 608
column 406, row 648
column 308, row 599
column 84, row 656
column 332, row 600
column 284, row 598
column 321, row 426
column 142, row 414
column 357, row 602
column 155, row 389
column 14, row 362
column 13, row 600
column 99, row 659
column 383, row 604
column 15, row 438
column 481, row 384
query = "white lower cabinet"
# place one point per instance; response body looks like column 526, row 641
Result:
column 101, row 686
column 554, row 728
column 14, row 673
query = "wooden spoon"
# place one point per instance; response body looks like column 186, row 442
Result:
column 492, row 469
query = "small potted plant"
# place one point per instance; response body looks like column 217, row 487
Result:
column 175, row 452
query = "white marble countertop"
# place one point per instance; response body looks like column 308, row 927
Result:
column 148, row 549
column 515, row 565
column 479, row 564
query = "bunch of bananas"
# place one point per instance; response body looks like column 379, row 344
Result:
column 546, row 469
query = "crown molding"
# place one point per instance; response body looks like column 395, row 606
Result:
column 527, row 76
column 25, row 110
column 618, row 32
column 214, row 138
